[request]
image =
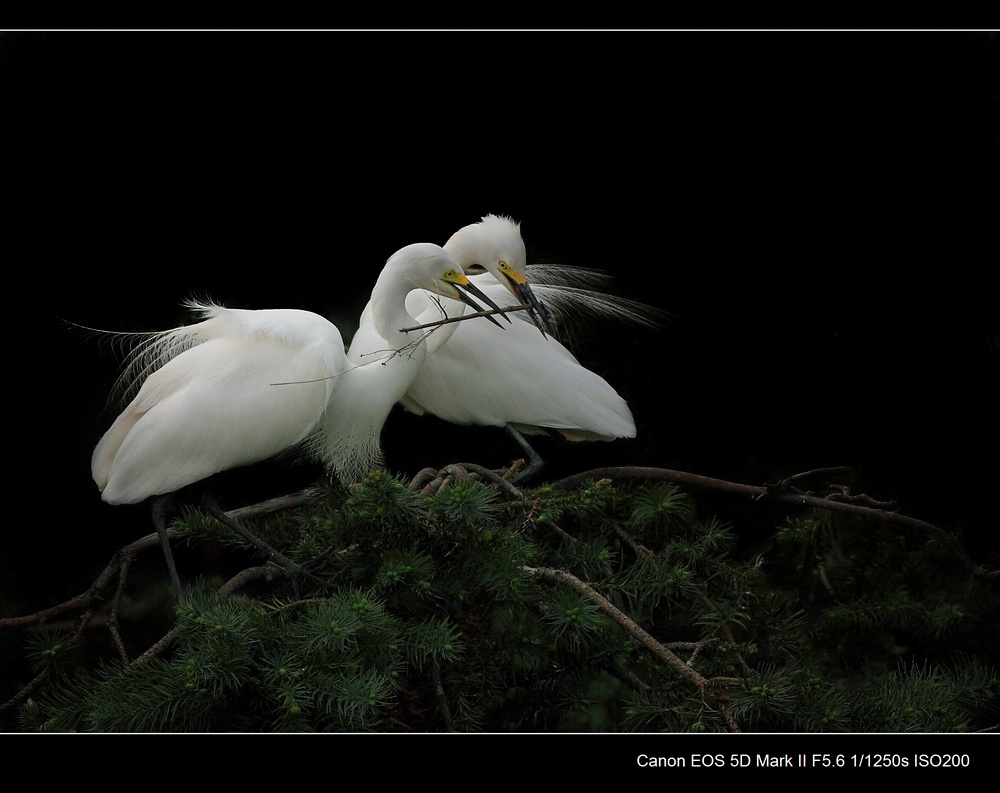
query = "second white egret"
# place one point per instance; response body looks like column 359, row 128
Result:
column 515, row 377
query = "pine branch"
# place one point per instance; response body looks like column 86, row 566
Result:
column 295, row 500
column 779, row 495
column 118, row 566
column 491, row 584
column 661, row 652
column 237, row 582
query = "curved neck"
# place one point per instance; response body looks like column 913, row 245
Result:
column 385, row 364
column 388, row 302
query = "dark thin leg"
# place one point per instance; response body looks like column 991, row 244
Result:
column 293, row 570
column 158, row 506
column 535, row 462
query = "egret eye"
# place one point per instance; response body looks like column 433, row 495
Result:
column 278, row 369
column 522, row 378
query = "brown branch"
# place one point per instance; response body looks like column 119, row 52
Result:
column 630, row 626
column 239, row 580
column 772, row 494
column 635, row 545
column 422, row 477
column 661, row 652
column 493, row 477
column 94, row 594
column 441, row 697
column 281, row 503
column 26, row 691
column 116, row 603
column 485, row 313
column 837, row 469
column 119, row 564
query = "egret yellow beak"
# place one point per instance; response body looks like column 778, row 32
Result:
column 522, row 290
column 464, row 288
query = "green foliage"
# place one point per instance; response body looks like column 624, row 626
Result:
column 474, row 610
column 921, row 698
column 660, row 505
column 53, row 653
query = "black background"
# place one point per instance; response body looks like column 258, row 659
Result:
column 817, row 211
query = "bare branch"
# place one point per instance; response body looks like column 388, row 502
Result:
column 493, row 477
column 772, row 494
column 786, row 482
column 630, row 626
column 239, row 580
column 119, row 564
column 485, row 313
column 26, row 691
column 661, row 652
column 292, row 501
column 441, row 698
column 95, row 594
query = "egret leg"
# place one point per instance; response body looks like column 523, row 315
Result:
column 535, row 462
column 291, row 568
column 158, row 506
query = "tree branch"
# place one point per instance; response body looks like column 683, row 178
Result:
column 630, row 626
column 239, row 580
column 779, row 495
column 485, row 313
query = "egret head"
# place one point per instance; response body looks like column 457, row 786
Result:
column 425, row 265
column 495, row 245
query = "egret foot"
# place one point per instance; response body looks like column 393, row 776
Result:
column 535, row 462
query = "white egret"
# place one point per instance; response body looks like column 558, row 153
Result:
column 516, row 377
column 242, row 386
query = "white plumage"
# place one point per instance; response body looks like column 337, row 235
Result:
column 241, row 386
column 478, row 373
column 248, row 385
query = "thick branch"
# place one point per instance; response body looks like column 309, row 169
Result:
column 781, row 496
column 661, row 652
column 120, row 562
column 279, row 504
column 238, row 581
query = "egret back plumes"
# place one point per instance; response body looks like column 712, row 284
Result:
column 477, row 374
column 578, row 296
column 241, row 386
column 572, row 296
column 236, row 388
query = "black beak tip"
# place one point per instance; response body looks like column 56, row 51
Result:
column 465, row 292
column 538, row 313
